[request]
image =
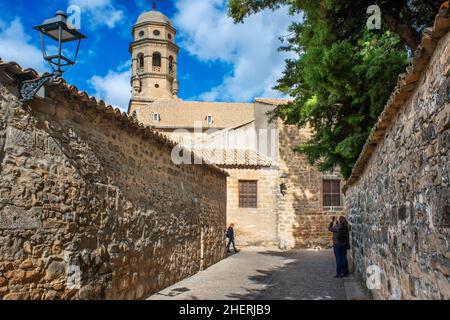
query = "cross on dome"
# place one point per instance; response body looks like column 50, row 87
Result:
column 154, row 4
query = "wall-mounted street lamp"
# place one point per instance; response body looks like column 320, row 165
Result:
column 283, row 187
column 56, row 29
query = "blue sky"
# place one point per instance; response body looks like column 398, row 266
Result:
column 218, row 60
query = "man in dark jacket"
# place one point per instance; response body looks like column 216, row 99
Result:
column 230, row 236
column 341, row 244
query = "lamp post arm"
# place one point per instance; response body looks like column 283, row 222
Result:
column 31, row 87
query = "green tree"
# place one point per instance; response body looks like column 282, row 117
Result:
column 343, row 74
column 406, row 18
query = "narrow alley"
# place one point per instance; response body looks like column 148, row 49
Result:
column 260, row 274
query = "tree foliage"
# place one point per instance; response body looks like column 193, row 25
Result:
column 406, row 18
column 343, row 74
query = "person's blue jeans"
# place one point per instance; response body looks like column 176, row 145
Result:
column 231, row 242
column 340, row 252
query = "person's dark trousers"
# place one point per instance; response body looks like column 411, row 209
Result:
column 231, row 241
column 340, row 252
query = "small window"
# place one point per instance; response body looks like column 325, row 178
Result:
column 156, row 117
column 156, row 32
column 171, row 64
column 169, row 36
column 141, row 62
column 141, row 34
column 332, row 193
column 209, row 120
column 156, row 59
column 248, row 194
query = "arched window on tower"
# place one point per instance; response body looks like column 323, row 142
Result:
column 141, row 62
column 170, row 64
column 156, row 59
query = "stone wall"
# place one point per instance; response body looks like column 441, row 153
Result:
column 295, row 220
column 89, row 197
column 303, row 221
column 398, row 199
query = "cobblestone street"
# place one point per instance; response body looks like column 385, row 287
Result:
column 257, row 273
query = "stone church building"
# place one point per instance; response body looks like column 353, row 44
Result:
column 274, row 197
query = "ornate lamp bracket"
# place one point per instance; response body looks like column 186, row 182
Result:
column 30, row 88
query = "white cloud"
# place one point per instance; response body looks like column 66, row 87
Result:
column 114, row 88
column 99, row 12
column 208, row 33
column 15, row 46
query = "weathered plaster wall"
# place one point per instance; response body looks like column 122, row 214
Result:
column 267, row 133
column 399, row 206
column 81, row 192
column 254, row 226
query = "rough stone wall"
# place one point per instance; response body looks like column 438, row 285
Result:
column 303, row 222
column 400, row 205
column 254, row 226
column 82, row 193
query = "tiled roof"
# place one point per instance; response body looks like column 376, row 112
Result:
column 275, row 102
column 14, row 72
column 176, row 113
column 233, row 157
column 404, row 90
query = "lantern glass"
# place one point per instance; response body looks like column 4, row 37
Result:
column 67, row 35
column 51, row 27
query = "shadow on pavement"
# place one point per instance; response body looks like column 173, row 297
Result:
column 306, row 275
column 174, row 292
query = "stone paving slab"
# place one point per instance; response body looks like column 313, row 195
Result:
column 353, row 291
column 260, row 273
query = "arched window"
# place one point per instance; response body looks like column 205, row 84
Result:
column 171, row 64
column 156, row 59
column 141, row 62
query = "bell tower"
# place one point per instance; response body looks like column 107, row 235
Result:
column 154, row 57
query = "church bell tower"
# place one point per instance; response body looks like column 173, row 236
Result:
column 154, row 58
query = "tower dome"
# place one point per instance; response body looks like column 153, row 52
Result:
column 153, row 17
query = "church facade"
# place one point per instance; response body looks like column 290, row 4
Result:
column 274, row 197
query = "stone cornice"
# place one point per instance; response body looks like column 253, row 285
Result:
column 148, row 23
column 161, row 42
column 153, row 41
column 147, row 75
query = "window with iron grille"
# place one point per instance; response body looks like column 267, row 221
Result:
column 248, row 194
column 332, row 193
